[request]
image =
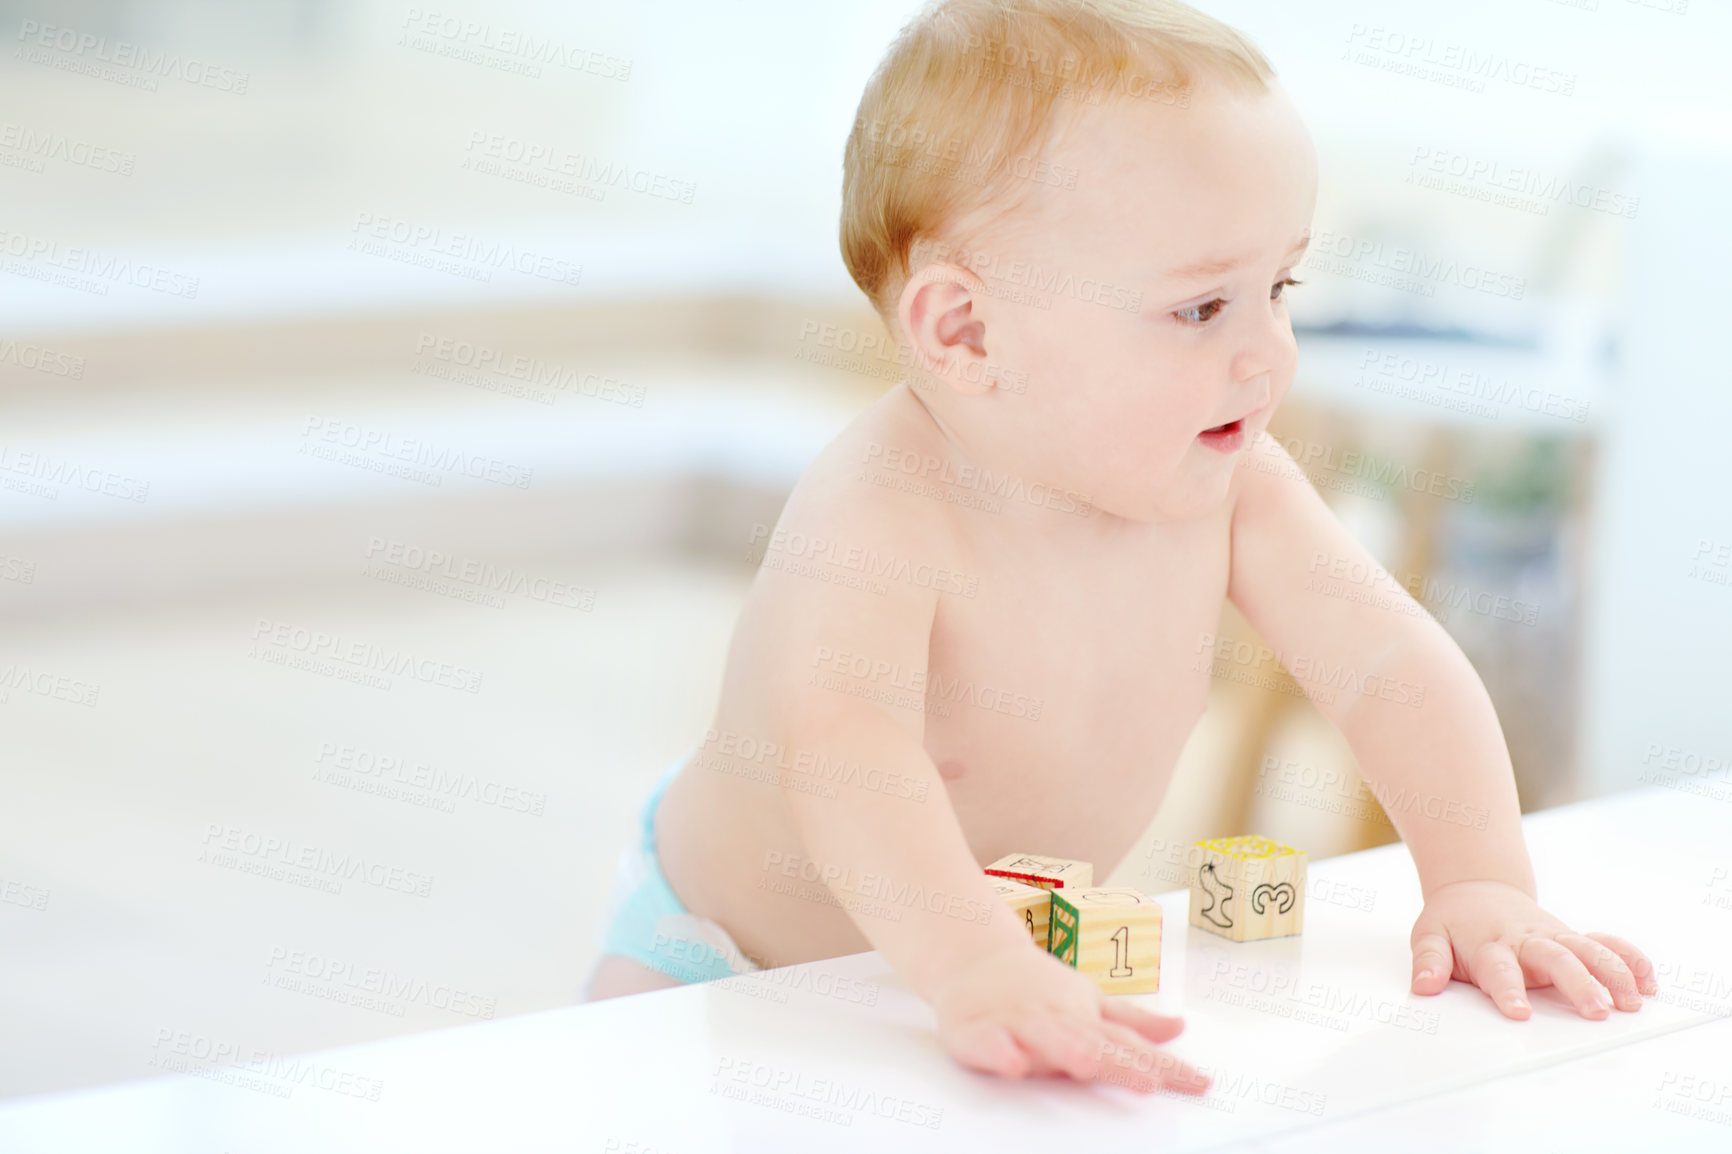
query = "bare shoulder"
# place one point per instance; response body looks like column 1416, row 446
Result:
column 1267, row 477
column 863, row 494
column 851, row 573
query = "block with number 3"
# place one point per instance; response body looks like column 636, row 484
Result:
column 1247, row 888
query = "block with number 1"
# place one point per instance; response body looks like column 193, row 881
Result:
column 1110, row 933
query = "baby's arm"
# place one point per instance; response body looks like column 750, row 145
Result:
column 1427, row 740
column 1004, row 1006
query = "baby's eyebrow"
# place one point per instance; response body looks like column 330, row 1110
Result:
column 1215, row 267
column 1202, row 268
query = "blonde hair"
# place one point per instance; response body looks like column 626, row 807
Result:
column 957, row 114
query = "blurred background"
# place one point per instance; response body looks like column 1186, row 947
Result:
column 469, row 346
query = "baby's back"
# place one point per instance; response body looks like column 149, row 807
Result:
column 1050, row 659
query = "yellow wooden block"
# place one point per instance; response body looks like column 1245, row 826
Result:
column 1049, row 873
column 1110, row 933
column 1031, row 903
column 1247, row 888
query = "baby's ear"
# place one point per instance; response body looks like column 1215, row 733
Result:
column 947, row 339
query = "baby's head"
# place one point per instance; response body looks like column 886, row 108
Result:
column 1078, row 216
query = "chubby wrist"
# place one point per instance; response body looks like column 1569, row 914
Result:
column 946, row 963
column 1430, row 888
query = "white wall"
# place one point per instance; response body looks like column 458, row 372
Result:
column 1659, row 676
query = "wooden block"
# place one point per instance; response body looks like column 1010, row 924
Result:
column 1031, row 903
column 1110, row 933
column 1049, row 873
column 1247, row 888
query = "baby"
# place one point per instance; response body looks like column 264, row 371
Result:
column 987, row 622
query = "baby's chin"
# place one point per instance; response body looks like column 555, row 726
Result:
column 1174, row 496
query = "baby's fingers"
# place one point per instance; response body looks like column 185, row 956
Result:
column 1638, row 962
column 1496, row 971
column 1433, row 963
column 1127, row 1059
column 1607, row 966
column 1154, row 1027
column 1058, row 1046
column 988, row 1048
column 1552, row 961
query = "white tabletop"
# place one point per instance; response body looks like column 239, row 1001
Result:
column 1314, row 1044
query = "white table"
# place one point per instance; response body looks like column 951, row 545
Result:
column 1314, row 1042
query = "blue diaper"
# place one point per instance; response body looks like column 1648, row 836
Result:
column 646, row 921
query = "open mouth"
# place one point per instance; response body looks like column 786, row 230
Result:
column 1227, row 438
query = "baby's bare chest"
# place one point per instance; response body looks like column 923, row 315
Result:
column 1097, row 661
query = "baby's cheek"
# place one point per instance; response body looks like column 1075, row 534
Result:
column 1144, row 428
column 1281, row 383
column 1153, row 421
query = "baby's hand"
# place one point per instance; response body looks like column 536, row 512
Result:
column 1021, row 1012
column 1495, row 936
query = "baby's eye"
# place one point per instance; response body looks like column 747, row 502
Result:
column 1200, row 314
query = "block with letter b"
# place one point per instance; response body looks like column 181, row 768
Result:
column 1247, row 888
column 1110, row 933
column 1047, row 873
column 1031, row 904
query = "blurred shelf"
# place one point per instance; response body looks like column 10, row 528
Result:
column 235, row 494
column 71, row 289
column 1558, row 389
